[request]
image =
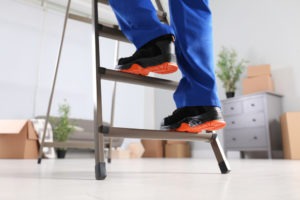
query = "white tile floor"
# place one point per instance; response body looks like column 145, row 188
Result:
column 143, row 179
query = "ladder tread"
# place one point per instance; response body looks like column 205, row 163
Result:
column 155, row 134
column 114, row 75
column 111, row 31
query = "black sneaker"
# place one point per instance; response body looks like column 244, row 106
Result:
column 194, row 119
column 155, row 56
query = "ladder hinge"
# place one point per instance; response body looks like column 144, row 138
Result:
column 214, row 135
column 103, row 129
column 101, row 70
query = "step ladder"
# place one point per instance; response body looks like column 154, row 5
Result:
column 101, row 73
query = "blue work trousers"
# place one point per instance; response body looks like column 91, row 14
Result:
column 191, row 24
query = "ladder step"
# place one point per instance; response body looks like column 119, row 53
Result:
column 80, row 18
column 104, row 30
column 155, row 134
column 113, row 75
column 112, row 32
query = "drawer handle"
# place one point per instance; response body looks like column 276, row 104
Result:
column 231, row 108
column 234, row 139
column 255, row 138
column 233, row 122
column 252, row 104
column 254, row 120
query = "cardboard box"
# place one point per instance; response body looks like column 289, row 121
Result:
column 259, row 70
column 120, row 154
column 179, row 150
column 290, row 130
column 18, row 139
column 258, row 84
column 136, row 150
column 176, row 142
column 153, row 148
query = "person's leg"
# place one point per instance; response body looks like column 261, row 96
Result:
column 196, row 96
column 194, row 51
column 139, row 22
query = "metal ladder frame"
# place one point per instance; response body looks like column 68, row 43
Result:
column 101, row 131
column 101, row 73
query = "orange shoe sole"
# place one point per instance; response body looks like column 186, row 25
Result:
column 207, row 126
column 164, row 68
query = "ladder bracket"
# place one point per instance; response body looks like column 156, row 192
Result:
column 101, row 70
column 214, row 136
column 103, row 129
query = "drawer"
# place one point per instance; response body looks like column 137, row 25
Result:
column 253, row 104
column 234, row 122
column 244, row 121
column 233, row 108
column 245, row 138
column 255, row 119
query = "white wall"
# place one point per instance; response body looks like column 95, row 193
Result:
column 20, row 38
column 29, row 41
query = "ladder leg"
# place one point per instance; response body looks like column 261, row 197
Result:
column 220, row 156
column 54, row 83
column 112, row 121
column 112, row 117
column 100, row 169
column 109, row 150
column 242, row 154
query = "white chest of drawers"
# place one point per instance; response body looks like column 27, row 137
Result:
column 253, row 123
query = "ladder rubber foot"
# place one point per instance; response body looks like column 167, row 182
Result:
column 100, row 171
column 109, row 160
column 223, row 167
column 39, row 161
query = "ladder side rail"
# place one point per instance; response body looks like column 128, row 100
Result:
column 54, row 82
column 100, row 169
